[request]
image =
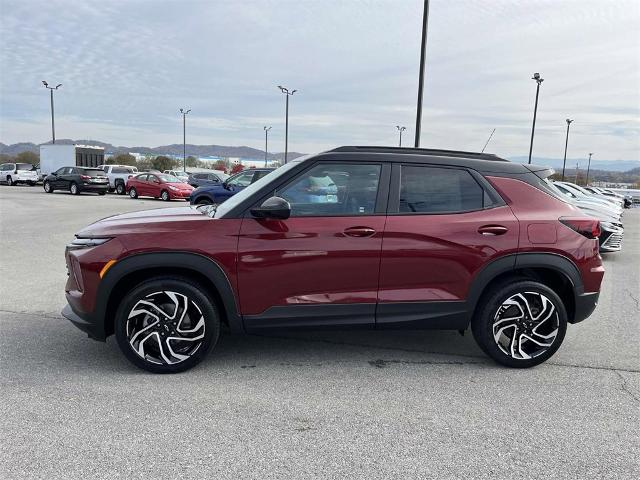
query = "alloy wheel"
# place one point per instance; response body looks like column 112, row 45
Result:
column 47, row 187
column 165, row 328
column 165, row 195
column 73, row 189
column 525, row 325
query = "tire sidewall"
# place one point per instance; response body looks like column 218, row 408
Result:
column 180, row 285
column 10, row 181
column 482, row 324
column 120, row 188
column 164, row 194
column 47, row 187
column 71, row 189
column 133, row 193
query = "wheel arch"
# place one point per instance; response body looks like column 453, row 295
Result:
column 553, row 270
column 130, row 271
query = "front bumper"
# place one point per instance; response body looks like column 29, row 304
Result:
column 84, row 323
column 611, row 239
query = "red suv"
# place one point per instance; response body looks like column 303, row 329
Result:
column 357, row 237
column 158, row 185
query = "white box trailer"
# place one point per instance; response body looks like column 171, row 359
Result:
column 53, row 157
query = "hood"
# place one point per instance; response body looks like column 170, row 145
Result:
column 180, row 185
column 150, row 221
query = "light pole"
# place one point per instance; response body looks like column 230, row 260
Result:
column 539, row 80
column 184, row 138
column 400, row 129
column 266, row 143
column 53, row 125
column 588, row 167
column 577, row 169
column 566, row 144
column 423, row 53
column 287, row 94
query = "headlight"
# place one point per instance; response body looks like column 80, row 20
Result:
column 80, row 243
column 172, row 187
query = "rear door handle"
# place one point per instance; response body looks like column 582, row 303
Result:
column 359, row 232
column 493, row 230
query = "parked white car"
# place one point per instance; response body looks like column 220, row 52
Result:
column 15, row 173
column 181, row 175
column 118, row 176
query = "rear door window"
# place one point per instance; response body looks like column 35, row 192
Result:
column 425, row 189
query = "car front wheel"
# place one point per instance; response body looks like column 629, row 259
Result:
column 133, row 193
column 167, row 325
column 47, row 187
column 165, row 196
column 520, row 324
column 10, row 181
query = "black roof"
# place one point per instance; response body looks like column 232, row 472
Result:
column 420, row 151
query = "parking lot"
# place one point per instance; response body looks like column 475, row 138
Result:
column 329, row 405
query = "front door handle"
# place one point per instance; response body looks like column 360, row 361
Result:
column 359, row 232
column 493, row 230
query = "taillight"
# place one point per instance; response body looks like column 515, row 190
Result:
column 587, row 227
column 85, row 177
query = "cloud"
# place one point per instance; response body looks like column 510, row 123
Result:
column 128, row 66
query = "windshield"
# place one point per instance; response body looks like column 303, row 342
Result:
column 167, row 178
column 92, row 172
column 24, row 166
column 254, row 187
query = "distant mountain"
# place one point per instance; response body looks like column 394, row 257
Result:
column 556, row 163
column 175, row 149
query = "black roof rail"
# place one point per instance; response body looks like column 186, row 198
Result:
column 419, row 151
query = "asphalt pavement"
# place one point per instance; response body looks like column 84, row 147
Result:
column 315, row 405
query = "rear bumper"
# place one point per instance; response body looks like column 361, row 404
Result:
column 586, row 303
column 84, row 323
column 103, row 187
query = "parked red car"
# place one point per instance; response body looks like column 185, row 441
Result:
column 158, row 185
column 358, row 237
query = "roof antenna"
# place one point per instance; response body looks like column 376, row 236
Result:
column 488, row 140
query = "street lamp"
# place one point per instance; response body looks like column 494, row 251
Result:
column 53, row 127
column 184, row 138
column 423, row 53
column 266, row 143
column 566, row 144
column 400, row 129
column 588, row 167
column 287, row 94
column 539, row 80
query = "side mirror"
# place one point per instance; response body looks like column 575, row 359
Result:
column 274, row 207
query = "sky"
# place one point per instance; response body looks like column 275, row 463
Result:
column 127, row 67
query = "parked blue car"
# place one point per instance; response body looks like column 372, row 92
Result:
column 217, row 193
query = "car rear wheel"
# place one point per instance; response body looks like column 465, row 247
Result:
column 120, row 188
column 47, row 187
column 167, row 325
column 165, row 196
column 133, row 193
column 520, row 324
column 73, row 188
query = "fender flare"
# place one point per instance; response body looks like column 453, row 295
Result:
column 516, row 261
column 195, row 262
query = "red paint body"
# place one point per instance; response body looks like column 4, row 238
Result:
column 402, row 258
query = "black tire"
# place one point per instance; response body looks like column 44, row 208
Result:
column 103, row 192
column 164, row 195
column 133, row 193
column 155, row 290
column 120, row 188
column 203, row 201
column 111, row 190
column 31, row 184
column 10, row 181
column 47, row 187
column 526, row 292
column 73, row 188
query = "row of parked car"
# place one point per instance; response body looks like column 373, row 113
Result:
column 200, row 188
column 603, row 204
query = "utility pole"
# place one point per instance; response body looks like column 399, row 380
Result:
column 588, row 168
column 287, row 94
column 184, row 138
column 53, row 125
column 266, row 143
column 539, row 80
column 566, row 144
column 423, row 53
column 400, row 129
